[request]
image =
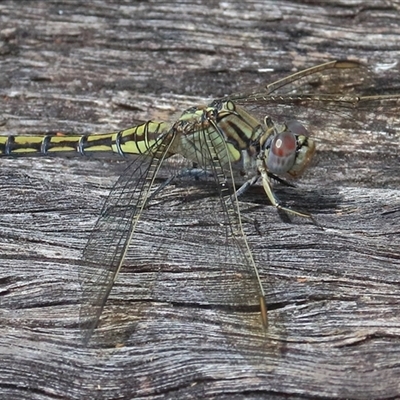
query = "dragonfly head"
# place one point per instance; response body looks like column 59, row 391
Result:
column 287, row 148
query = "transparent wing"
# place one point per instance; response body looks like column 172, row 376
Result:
column 338, row 102
column 218, row 246
column 222, row 273
column 107, row 246
column 245, row 293
column 231, row 210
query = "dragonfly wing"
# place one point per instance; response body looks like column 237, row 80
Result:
column 107, row 246
column 240, row 290
column 336, row 105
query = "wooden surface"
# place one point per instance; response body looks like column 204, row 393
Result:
column 333, row 292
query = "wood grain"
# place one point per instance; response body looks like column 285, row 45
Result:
column 332, row 291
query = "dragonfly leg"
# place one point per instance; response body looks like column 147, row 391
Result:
column 275, row 201
column 240, row 192
column 280, row 180
column 160, row 188
column 194, row 172
column 243, row 189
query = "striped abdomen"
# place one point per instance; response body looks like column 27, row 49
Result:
column 136, row 140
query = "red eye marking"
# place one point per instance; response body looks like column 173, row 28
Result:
column 282, row 153
column 284, row 144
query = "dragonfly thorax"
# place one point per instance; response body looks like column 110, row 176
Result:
column 232, row 131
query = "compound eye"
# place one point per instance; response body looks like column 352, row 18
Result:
column 282, row 153
column 297, row 128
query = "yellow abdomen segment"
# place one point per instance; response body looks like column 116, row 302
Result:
column 135, row 140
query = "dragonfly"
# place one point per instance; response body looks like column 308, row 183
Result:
column 222, row 140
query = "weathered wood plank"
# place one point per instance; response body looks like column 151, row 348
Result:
column 333, row 293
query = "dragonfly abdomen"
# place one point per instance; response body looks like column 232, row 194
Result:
column 136, row 140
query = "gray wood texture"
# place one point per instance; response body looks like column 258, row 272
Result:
column 333, row 291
